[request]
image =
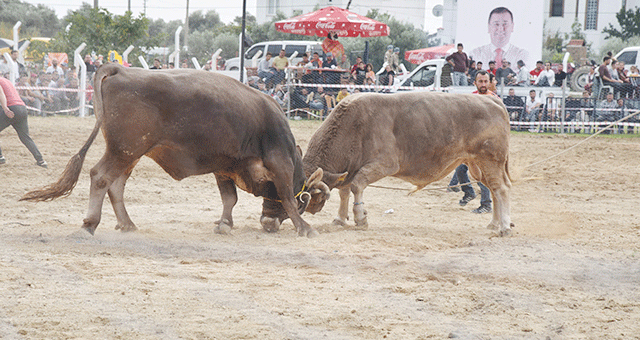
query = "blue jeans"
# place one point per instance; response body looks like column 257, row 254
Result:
column 459, row 79
column 461, row 176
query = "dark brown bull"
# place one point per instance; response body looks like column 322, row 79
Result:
column 419, row 137
column 191, row 123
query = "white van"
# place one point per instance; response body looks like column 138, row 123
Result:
column 290, row 46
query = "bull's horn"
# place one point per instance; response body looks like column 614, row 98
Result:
column 315, row 177
column 305, row 198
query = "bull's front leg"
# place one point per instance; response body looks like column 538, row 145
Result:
column 343, row 211
column 229, row 195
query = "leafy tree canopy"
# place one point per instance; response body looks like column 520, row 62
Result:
column 629, row 25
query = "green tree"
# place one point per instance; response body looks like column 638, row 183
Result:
column 102, row 31
column 629, row 22
column 36, row 20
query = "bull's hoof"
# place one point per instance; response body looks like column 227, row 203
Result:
column 223, row 227
column 339, row 222
column 308, row 232
column 270, row 224
column 362, row 224
column 126, row 227
column 505, row 233
column 90, row 227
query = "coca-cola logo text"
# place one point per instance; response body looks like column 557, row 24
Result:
column 328, row 25
column 289, row 26
column 367, row 27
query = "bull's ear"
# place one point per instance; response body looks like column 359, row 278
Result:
column 315, row 177
column 334, row 180
column 299, row 150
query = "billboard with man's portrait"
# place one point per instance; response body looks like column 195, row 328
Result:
column 496, row 30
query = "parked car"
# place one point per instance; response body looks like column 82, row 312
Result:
column 290, row 47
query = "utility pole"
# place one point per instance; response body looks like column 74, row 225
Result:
column 95, row 4
column 186, row 31
column 129, row 6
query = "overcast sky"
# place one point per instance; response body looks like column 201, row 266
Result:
column 156, row 9
column 176, row 9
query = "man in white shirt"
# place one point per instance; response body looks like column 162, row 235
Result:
column 522, row 76
column 55, row 68
column 533, row 107
column 500, row 29
column 547, row 77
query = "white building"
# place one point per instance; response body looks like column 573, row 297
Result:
column 409, row 11
column 593, row 15
column 559, row 15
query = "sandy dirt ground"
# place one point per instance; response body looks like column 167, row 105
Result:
column 425, row 269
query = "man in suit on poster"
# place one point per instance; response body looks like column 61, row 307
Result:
column 500, row 48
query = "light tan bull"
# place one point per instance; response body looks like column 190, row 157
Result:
column 419, row 137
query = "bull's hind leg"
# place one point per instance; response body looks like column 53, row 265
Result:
column 103, row 175
column 116, row 196
column 495, row 177
column 343, row 211
column 229, row 196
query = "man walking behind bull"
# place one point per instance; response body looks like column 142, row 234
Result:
column 461, row 176
column 14, row 113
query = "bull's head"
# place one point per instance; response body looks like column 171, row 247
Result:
column 311, row 197
column 319, row 192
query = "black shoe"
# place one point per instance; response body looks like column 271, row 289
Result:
column 42, row 163
column 2, row 160
column 483, row 209
column 466, row 199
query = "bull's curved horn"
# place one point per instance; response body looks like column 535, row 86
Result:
column 304, row 198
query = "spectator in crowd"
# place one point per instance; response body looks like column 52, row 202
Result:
column 539, row 68
column 471, row 73
column 299, row 98
column 73, row 97
column 605, row 76
column 331, row 77
column 492, row 67
column 14, row 113
column 280, row 95
column 608, row 111
column 342, row 94
column 252, row 81
column 459, row 62
column 98, row 62
column 395, row 65
column 522, row 76
column 514, row 105
column 626, row 82
column 504, row 73
column 321, row 101
column 4, row 66
column 533, row 107
column 317, row 64
column 388, row 56
column 355, row 66
column 265, row 71
column 590, row 78
column 156, row 64
column 45, row 94
column 493, row 82
column 171, row 66
column 345, row 66
column 360, row 73
column 27, row 95
column 92, row 69
column 55, row 68
column 262, row 87
column 550, row 112
column 19, row 67
column 280, row 63
column 560, row 76
column 59, row 97
column 370, row 75
column 386, row 77
column 546, row 77
column 303, row 73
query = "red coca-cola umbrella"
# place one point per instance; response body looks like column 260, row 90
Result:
column 333, row 19
column 424, row 54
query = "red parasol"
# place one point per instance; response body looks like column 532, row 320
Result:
column 333, row 19
column 424, row 54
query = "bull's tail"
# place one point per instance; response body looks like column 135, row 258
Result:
column 69, row 177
